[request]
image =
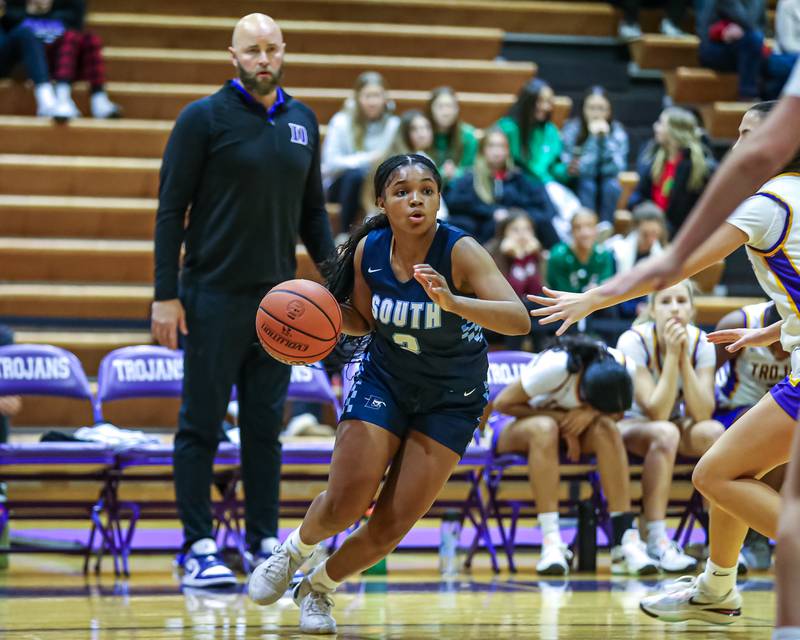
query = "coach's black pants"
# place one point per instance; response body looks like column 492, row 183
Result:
column 222, row 350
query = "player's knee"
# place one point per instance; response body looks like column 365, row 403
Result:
column 341, row 509
column 539, row 431
column 605, row 429
column 386, row 535
column 706, row 476
column 707, row 434
column 665, row 438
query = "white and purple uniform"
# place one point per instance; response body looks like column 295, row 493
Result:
column 748, row 377
column 773, row 247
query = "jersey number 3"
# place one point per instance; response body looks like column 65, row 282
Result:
column 407, row 342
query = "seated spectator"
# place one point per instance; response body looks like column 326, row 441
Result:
column 583, row 263
column 357, row 137
column 629, row 28
column 731, row 40
column 455, row 143
column 574, row 393
column 674, row 401
column 595, row 151
column 482, row 197
column 19, row 44
column 674, row 168
column 519, row 255
column 535, row 144
column 779, row 63
column 73, row 52
column 743, row 379
column 414, row 135
column 646, row 239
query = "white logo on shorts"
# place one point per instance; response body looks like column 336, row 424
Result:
column 374, row 402
column 371, row 270
column 299, row 134
column 469, row 393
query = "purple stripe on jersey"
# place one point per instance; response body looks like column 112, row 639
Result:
column 730, row 385
column 786, row 275
column 787, row 220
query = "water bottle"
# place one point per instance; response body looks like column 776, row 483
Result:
column 448, row 544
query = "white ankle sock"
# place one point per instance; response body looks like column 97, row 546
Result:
column 321, row 581
column 549, row 524
column 786, row 633
column 656, row 531
column 297, row 546
column 716, row 580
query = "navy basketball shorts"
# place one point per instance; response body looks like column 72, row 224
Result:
column 448, row 416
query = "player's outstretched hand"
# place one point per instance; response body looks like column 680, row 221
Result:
column 656, row 272
column 562, row 306
column 435, row 286
column 740, row 338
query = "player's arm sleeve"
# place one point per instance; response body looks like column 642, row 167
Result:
column 762, row 218
column 181, row 171
column 544, row 374
column 315, row 227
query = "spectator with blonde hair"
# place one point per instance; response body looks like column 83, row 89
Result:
column 357, row 137
column 482, row 197
column 674, row 168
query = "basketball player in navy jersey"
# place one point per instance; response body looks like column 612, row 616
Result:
column 424, row 290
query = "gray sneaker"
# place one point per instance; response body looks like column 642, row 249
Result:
column 271, row 579
column 315, row 609
column 757, row 552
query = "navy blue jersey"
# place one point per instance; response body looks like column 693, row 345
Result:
column 416, row 341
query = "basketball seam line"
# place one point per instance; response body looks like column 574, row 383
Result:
column 335, row 338
column 321, row 310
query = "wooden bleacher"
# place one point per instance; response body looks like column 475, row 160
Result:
column 77, row 201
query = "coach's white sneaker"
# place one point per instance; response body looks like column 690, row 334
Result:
column 686, row 600
column 630, row 558
column 671, row 557
column 555, row 561
column 270, row 580
column 315, row 609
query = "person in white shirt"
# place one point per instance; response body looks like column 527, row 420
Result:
column 674, row 393
column 357, row 137
column 743, row 378
column 574, row 393
column 762, row 438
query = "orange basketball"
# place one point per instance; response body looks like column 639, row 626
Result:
column 298, row 322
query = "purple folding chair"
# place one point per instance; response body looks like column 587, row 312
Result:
column 311, row 384
column 144, row 371
column 46, row 370
column 504, row 368
column 148, row 371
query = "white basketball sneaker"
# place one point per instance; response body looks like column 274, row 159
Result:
column 671, row 557
column 630, row 558
column 686, row 600
column 271, row 579
column 556, row 559
column 315, row 609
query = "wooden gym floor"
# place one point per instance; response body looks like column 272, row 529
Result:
column 45, row 597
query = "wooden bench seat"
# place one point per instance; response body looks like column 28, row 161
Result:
column 130, row 64
column 656, row 51
column 722, row 118
column 165, row 101
column 696, row 85
column 84, row 136
column 521, row 16
column 301, row 36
